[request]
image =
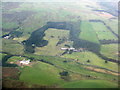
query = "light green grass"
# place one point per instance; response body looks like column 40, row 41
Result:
column 110, row 50
column 15, row 58
column 113, row 24
column 51, row 48
column 72, row 66
column 9, row 25
column 12, row 47
column 87, row 32
column 94, row 60
column 2, row 56
column 90, row 84
column 41, row 73
column 102, row 32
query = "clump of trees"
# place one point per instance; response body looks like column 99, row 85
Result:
column 104, row 41
column 106, row 61
column 67, row 45
column 88, row 61
column 36, row 38
column 61, row 41
column 15, row 34
column 65, row 75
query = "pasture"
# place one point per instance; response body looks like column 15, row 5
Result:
column 113, row 24
column 41, row 74
column 110, row 51
column 83, row 57
column 47, row 61
column 15, row 59
column 9, row 25
column 90, row 84
column 87, row 32
column 53, row 36
column 102, row 32
column 12, row 47
column 71, row 66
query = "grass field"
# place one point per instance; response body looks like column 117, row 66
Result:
column 90, row 84
column 113, row 24
column 22, row 38
column 102, row 32
column 9, row 25
column 15, row 58
column 87, row 32
column 72, row 66
column 110, row 50
column 53, row 36
column 2, row 56
column 12, row 47
column 32, row 16
column 83, row 57
column 41, row 73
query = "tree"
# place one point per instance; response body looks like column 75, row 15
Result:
column 106, row 61
column 88, row 61
column 65, row 75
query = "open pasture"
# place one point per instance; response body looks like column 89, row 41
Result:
column 110, row 51
column 12, row 47
column 102, row 31
column 15, row 59
column 91, row 59
column 71, row 66
column 87, row 32
column 90, row 84
column 53, row 36
column 41, row 74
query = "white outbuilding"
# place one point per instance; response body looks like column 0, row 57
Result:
column 25, row 62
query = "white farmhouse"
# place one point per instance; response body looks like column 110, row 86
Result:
column 7, row 37
column 68, row 48
column 25, row 62
column 64, row 48
column 71, row 48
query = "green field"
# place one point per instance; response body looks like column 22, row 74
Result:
column 83, row 57
column 85, row 69
column 9, row 25
column 2, row 56
column 72, row 66
column 15, row 59
column 44, row 70
column 90, row 84
column 41, row 73
column 53, row 36
column 12, row 47
column 102, row 32
column 87, row 32
column 110, row 51
column 113, row 24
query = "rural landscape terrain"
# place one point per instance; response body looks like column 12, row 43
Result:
column 60, row 44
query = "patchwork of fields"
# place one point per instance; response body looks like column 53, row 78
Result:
column 65, row 49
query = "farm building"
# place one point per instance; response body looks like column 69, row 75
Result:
column 7, row 37
column 64, row 48
column 68, row 48
column 25, row 62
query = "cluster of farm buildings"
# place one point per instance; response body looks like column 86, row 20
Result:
column 73, row 49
